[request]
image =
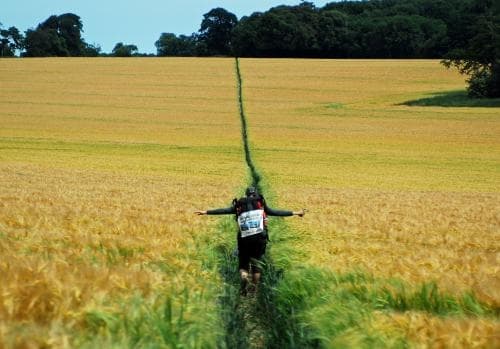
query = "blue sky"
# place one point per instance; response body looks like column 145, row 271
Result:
column 106, row 22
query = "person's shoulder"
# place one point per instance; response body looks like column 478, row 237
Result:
column 239, row 200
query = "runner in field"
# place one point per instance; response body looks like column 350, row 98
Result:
column 251, row 213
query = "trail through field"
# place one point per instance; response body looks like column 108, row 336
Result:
column 244, row 316
column 247, row 306
column 252, row 325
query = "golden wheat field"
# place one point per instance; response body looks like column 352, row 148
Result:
column 103, row 162
column 401, row 191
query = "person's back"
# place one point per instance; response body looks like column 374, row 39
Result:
column 251, row 213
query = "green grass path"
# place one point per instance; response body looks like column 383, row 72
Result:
column 248, row 319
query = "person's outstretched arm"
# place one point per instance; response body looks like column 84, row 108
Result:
column 282, row 213
column 217, row 211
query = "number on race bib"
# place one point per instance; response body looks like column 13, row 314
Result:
column 251, row 223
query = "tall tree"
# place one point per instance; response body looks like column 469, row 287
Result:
column 11, row 40
column 215, row 31
column 70, row 28
column 479, row 55
column 44, row 43
column 170, row 45
column 121, row 50
column 57, row 36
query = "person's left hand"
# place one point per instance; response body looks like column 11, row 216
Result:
column 301, row 213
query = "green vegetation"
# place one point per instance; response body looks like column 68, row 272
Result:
column 337, row 307
column 164, row 322
column 478, row 52
column 57, row 36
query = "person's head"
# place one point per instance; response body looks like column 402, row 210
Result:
column 251, row 192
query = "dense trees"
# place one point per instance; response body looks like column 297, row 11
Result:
column 350, row 29
column 212, row 39
column 375, row 29
column 171, row 45
column 346, row 29
column 58, row 36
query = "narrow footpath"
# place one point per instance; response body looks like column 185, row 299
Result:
column 245, row 317
column 254, row 321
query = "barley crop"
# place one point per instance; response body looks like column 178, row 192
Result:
column 396, row 191
column 103, row 163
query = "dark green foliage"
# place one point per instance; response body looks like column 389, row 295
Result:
column 372, row 29
column 333, row 26
column 121, row 50
column 465, row 31
column 69, row 28
column 91, row 50
column 44, row 43
column 215, row 31
column 10, row 41
column 484, row 83
column 283, row 31
column 171, row 45
column 477, row 54
column 399, row 36
column 58, row 36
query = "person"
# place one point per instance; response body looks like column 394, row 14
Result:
column 251, row 213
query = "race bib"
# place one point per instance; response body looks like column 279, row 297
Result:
column 251, row 222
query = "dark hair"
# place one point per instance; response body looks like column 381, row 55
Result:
column 251, row 191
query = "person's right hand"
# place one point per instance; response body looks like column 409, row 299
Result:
column 200, row 213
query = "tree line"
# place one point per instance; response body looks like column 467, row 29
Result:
column 465, row 33
column 57, row 36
